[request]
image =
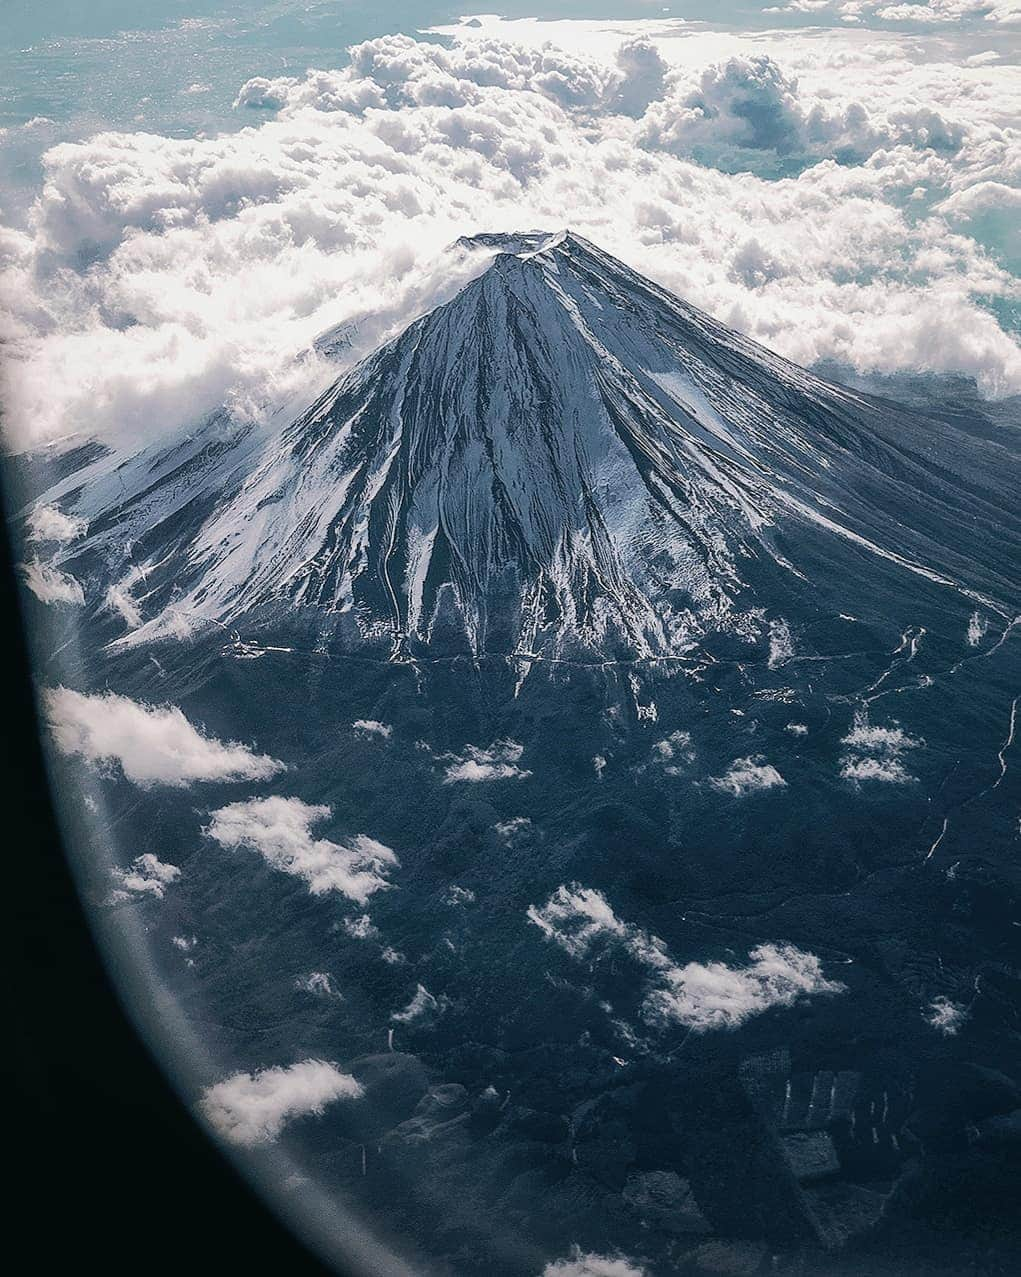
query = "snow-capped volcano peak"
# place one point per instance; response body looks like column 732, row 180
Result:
column 565, row 458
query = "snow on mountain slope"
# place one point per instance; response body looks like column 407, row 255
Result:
column 564, row 459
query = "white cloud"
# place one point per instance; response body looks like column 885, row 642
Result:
column 797, row 729
column 916, row 12
column 118, row 598
column 514, row 830
column 252, row 1108
column 747, row 776
column 874, row 753
column 50, row 585
column 499, row 762
column 889, row 771
column 717, row 996
column 977, row 627
column 781, row 644
column 576, row 916
column 361, row 928
column 370, row 727
column 280, row 830
column 213, row 263
column 883, row 740
column 945, row 1017
column 152, row 744
column 1004, row 12
column 457, row 895
column 423, row 1006
column 584, row 1264
column 698, row 996
column 317, row 983
column 147, row 876
column 674, row 752
column 47, row 523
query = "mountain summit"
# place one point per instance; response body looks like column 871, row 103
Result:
column 565, row 461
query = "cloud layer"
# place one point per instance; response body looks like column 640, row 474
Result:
column 151, row 744
column 280, row 830
column 835, row 199
column 252, row 1108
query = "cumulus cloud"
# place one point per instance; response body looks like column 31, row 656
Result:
column 457, row 895
column 317, row 983
column 280, row 830
column 717, row 996
column 1003, row 12
column 158, row 277
column 47, row 523
column 147, row 876
column 370, row 727
column 747, row 776
column 50, row 585
column 698, row 996
column 252, row 1108
column 360, row 928
column 576, row 916
column 944, row 1016
column 584, row 1264
column 674, row 752
column 890, row 771
column 151, row 744
column 499, row 762
column 514, row 830
column 874, row 753
column 916, row 12
column 781, row 644
column 747, row 113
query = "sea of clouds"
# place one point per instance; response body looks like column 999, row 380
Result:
column 842, row 194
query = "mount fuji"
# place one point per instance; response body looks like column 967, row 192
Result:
column 563, row 462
